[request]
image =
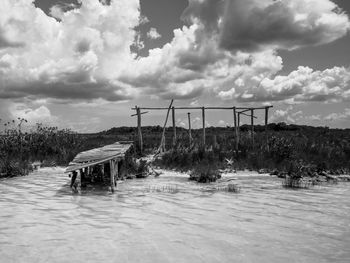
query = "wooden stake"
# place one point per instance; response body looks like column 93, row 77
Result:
column 266, row 131
column 162, row 142
column 116, row 172
column 111, row 165
column 203, row 119
column 236, row 131
column 189, row 128
column 252, row 126
column 238, row 127
column 174, row 126
column 138, row 112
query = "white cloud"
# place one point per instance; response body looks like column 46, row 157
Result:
column 38, row 115
column 153, row 33
column 339, row 116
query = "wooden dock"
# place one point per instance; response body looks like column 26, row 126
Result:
column 109, row 155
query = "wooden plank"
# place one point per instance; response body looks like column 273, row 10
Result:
column 174, row 126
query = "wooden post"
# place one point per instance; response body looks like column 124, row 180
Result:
column 203, row 119
column 236, row 131
column 238, row 127
column 138, row 112
column 266, row 131
column 74, row 177
column 189, row 128
column 162, row 142
column 111, row 165
column 116, row 172
column 174, row 126
column 252, row 126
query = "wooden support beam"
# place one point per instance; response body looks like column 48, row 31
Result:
column 238, row 127
column 236, row 130
column 111, row 165
column 266, row 128
column 189, row 128
column 203, row 120
column 74, row 177
column 138, row 112
column 248, row 115
column 162, row 142
column 199, row 108
column 116, row 172
column 174, row 125
column 252, row 126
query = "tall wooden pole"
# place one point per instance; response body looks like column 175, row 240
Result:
column 238, row 127
column 252, row 126
column 174, row 126
column 162, row 142
column 189, row 128
column 138, row 112
column 266, row 128
column 236, row 130
column 203, row 119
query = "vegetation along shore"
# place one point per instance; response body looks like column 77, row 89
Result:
column 303, row 155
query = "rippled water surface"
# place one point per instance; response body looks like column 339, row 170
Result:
column 169, row 219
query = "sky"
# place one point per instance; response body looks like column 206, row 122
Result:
column 83, row 64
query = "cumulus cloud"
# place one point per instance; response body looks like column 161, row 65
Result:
column 153, row 33
column 339, row 116
column 79, row 57
column 303, row 84
column 288, row 24
column 228, row 49
column 38, row 115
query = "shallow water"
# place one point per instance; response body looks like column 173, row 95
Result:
column 169, row 219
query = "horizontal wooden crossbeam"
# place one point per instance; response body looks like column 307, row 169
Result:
column 206, row 108
column 140, row 113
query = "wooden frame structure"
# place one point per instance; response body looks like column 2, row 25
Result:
column 237, row 113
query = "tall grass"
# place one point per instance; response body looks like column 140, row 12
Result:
column 49, row 145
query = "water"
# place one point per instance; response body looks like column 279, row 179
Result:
column 169, row 219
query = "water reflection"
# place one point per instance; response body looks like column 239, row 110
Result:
column 170, row 219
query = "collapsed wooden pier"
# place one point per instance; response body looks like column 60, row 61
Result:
column 101, row 161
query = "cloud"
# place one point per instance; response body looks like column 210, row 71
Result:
column 339, row 116
column 153, row 33
column 79, row 57
column 227, row 50
column 301, row 85
column 39, row 115
column 289, row 24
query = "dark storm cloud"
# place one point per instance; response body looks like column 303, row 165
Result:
column 251, row 25
column 60, row 90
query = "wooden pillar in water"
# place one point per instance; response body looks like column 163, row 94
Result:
column 189, row 128
column 111, row 165
column 236, row 130
column 138, row 112
column 252, row 125
column 116, row 172
column 203, row 120
column 174, row 125
column 74, row 177
column 266, row 128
